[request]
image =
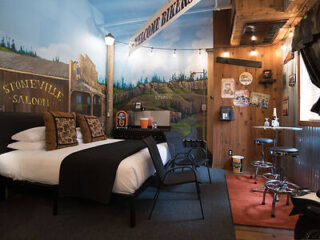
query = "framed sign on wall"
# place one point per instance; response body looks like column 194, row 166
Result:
column 245, row 78
column 227, row 88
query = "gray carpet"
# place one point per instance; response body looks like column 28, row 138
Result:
column 176, row 216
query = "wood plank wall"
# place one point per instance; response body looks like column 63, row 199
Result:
column 238, row 135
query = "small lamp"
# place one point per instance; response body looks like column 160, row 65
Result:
column 226, row 54
column 109, row 39
column 291, row 33
column 253, row 52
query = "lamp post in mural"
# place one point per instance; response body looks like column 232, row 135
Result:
column 109, row 40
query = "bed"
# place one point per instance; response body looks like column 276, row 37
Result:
column 18, row 166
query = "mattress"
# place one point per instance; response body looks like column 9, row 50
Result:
column 44, row 166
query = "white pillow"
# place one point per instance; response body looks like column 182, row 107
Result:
column 41, row 145
column 79, row 134
column 35, row 134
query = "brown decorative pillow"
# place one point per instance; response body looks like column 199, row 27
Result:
column 60, row 130
column 91, row 128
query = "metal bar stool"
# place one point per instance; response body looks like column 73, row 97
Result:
column 281, row 185
column 261, row 164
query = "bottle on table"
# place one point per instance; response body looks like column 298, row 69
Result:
column 274, row 119
column 277, row 122
column 266, row 123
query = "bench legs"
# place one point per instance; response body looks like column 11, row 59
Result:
column 3, row 189
column 55, row 202
column 132, row 212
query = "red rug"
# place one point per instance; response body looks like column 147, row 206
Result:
column 247, row 209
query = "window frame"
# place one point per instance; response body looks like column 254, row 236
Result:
column 314, row 123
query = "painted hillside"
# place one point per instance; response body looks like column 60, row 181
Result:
column 183, row 97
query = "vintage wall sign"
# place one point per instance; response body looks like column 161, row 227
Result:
column 245, row 78
column 167, row 14
column 227, row 88
column 259, row 100
column 292, row 80
column 13, row 91
column 241, row 98
column 27, row 92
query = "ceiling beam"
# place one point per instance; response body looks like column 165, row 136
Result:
column 267, row 10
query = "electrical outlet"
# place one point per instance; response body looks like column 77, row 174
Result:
column 230, row 152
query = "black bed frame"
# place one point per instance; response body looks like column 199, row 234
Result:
column 11, row 123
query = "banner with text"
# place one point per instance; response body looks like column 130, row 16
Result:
column 168, row 13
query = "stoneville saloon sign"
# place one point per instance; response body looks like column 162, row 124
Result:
column 38, row 85
column 27, row 92
column 168, row 13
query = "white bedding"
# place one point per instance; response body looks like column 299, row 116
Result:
column 43, row 166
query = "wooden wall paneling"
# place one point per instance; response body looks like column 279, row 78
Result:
column 210, row 99
column 222, row 28
column 238, row 135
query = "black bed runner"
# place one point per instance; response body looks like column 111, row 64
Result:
column 90, row 173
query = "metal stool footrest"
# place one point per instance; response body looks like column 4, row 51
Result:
column 262, row 164
column 280, row 187
column 271, row 176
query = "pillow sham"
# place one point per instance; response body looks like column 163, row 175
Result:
column 29, row 146
column 35, row 134
column 91, row 128
column 60, row 130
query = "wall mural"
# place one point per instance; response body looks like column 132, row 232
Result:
column 57, row 70
column 162, row 80
column 59, row 63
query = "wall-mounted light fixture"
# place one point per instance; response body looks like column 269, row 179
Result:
column 291, row 33
column 225, row 54
column 109, row 39
column 253, row 37
column 253, row 52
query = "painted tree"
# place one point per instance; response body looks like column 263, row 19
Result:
column 191, row 77
column 13, row 46
column 2, row 44
column 140, row 82
column 122, row 83
column 182, row 77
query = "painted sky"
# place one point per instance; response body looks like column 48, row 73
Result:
column 56, row 28
column 191, row 30
column 67, row 28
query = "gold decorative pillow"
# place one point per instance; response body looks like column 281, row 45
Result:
column 60, row 130
column 91, row 128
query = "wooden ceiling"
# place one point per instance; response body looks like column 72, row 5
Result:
column 265, row 32
column 267, row 16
